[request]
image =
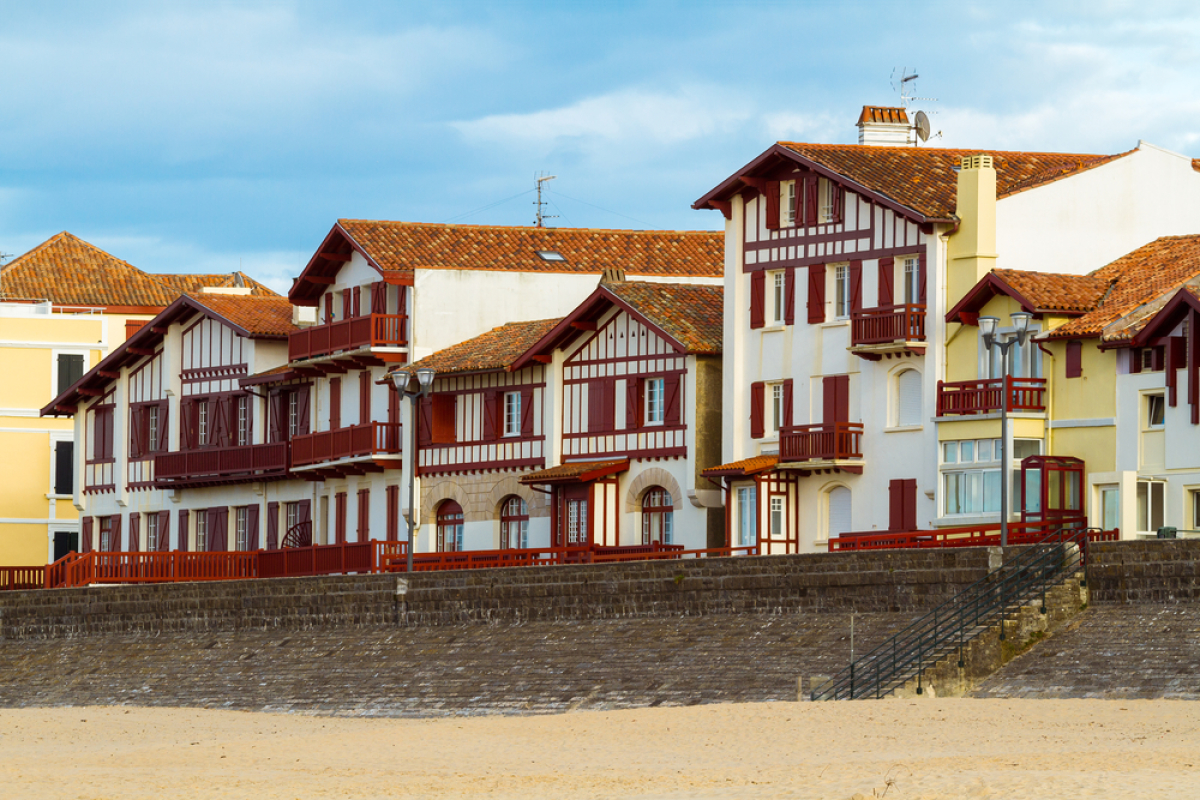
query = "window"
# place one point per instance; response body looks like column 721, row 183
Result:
column 971, row 475
column 841, row 306
column 243, row 421
column 839, row 514
column 827, row 190
column 777, row 402
column 106, row 535
column 551, row 255
column 64, row 468
column 577, row 513
column 657, row 516
column 789, row 203
column 908, row 398
column 912, row 280
column 776, row 517
column 449, row 527
column 747, row 517
column 152, row 542
column 779, row 297
column 514, row 523
column 152, row 429
column 1024, row 361
column 1156, row 411
column 512, row 413
column 293, row 413
column 241, row 535
column 202, row 422
column 1151, row 505
column 1110, row 507
column 70, row 369
column 293, row 516
column 655, row 405
column 1195, row 497
column 201, row 531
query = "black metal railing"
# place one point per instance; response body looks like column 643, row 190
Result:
column 950, row 626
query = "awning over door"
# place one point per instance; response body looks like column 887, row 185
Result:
column 576, row 472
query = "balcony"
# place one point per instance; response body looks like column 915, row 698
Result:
column 887, row 330
column 382, row 336
column 215, row 465
column 355, row 450
column 835, row 445
column 969, row 398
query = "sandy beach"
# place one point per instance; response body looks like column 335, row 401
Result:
column 903, row 749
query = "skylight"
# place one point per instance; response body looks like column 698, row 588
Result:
column 551, row 255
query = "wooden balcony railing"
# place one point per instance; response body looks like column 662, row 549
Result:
column 22, row 578
column 967, row 536
column 824, row 442
column 369, row 439
column 373, row 330
column 887, row 324
column 210, row 464
column 986, row 396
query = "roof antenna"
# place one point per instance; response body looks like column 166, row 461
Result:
column 906, row 86
column 541, row 178
column 4, row 257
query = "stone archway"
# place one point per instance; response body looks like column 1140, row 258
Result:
column 432, row 495
column 536, row 502
column 651, row 476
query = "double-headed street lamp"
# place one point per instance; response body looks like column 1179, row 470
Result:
column 404, row 380
column 987, row 328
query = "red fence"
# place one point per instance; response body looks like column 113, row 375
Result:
column 821, row 442
column 22, row 578
column 984, row 396
column 969, row 536
column 217, row 463
column 886, row 324
column 368, row 439
column 373, row 330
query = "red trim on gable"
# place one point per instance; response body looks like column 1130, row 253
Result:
column 979, row 296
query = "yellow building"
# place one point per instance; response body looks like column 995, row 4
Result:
column 63, row 306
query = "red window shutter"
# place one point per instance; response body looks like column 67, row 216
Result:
column 787, row 403
column 183, row 530
column 902, row 505
column 909, row 518
column 187, row 425
column 600, row 406
column 838, row 198
column 789, row 296
column 1135, row 360
column 1158, row 358
column 304, row 513
column 272, row 526
column 672, row 392
column 379, row 297
column 340, row 517
column 335, row 403
column 252, row 527
column 816, row 294
column 1074, row 359
column 757, row 395
column 924, row 274
column 135, row 432
column 85, row 546
column 346, row 305
column 328, row 307
column 758, row 299
column 527, row 412
column 835, row 399
column 220, row 538
column 277, row 417
column 135, row 530
column 856, row 286
column 114, row 533
column 811, row 185
column 393, row 513
column 633, row 403
column 491, row 410
column 424, row 422
column 164, row 532
column 364, row 515
column 772, row 205
column 164, row 436
column 302, row 396
column 364, row 397
column 443, row 418
column 358, row 294
column 887, row 280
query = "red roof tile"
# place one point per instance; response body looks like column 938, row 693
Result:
column 889, row 115
column 691, row 313
column 744, row 467
column 192, row 284
column 576, row 471
column 495, row 350
column 1051, row 291
column 260, row 317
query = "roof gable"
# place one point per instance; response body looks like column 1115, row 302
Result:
column 1037, row 292
column 495, row 350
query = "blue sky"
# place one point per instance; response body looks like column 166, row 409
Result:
column 200, row 137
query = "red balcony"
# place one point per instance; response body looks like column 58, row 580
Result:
column 887, row 329
column 986, row 396
column 831, row 441
column 357, row 441
column 349, row 335
column 207, row 465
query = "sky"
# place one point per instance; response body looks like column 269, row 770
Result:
column 210, row 137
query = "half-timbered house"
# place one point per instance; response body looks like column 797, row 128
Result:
column 841, row 264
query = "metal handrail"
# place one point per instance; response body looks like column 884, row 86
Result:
column 954, row 623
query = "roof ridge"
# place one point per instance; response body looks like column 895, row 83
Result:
column 529, row 228
column 980, row 150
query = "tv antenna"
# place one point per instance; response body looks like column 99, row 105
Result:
column 541, row 178
column 904, row 82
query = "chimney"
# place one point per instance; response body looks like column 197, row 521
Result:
column 883, row 126
column 971, row 251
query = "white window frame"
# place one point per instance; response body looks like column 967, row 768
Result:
column 152, row 429
column 829, row 532
column 1154, row 399
column 151, row 530
column 243, row 421
column 825, row 201
column 841, row 292
column 789, row 202
column 747, row 518
column 1194, row 494
column 776, row 523
column 778, row 297
column 897, row 404
column 293, row 413
column 1151, row 501
column 241, row 528
column 655, row 402
column 201, row 516
column 55, row 438
column 1024, row 361
column 55, row 389
column 202, row 423
column 777, row 410
column 964, row 468
column 1101, row 492
column 910, row 279
column 512, row 413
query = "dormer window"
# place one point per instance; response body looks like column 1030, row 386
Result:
column 551, row 255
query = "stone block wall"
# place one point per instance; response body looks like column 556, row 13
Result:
column 1163, row 571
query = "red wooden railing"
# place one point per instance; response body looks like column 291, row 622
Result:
column 821, row 442
column 368, row 439
column 886, row 324
column 374, row 330
column 967, row 536
column 22, row 578
column 984, row 396
column 255, row 460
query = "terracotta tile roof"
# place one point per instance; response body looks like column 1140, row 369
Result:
column 1196, row 164
column 747, row 466
column 495, row 350
column 260, row 317
column 925, row 178
column 692, row 313
column 1051, row 291
column 883, row 114
column 68, row 271
column 401, row 247
column 576, row 471
column 1142, row 277
column 192, row 284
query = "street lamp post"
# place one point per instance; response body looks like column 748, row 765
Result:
column 987, row 327
column 404, row 380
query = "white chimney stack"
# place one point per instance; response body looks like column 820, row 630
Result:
column 884, row 126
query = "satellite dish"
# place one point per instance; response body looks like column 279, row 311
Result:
column 922, row 126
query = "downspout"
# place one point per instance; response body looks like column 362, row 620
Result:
column 1049, row 405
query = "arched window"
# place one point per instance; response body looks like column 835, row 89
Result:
column 514, row 523
column 657, row 513
column 908, row 398
column 449, row 527
column 839, row 511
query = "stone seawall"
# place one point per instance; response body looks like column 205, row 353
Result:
column 1162, row 571
column 879, row 581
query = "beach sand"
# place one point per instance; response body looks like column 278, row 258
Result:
column 926, row 748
